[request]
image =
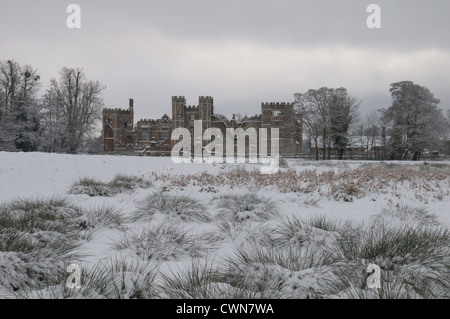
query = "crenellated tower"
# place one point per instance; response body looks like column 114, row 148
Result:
column 281, row 115
column 178, row 111
column 118, row 129
column 205, row 110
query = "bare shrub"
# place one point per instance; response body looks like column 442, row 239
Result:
column 120, row 184
column 246, row 207
column 163, row 242
column 176, row 207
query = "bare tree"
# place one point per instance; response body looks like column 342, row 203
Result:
column 311, row 119
column 372, row 133
column 327, row 113
column 78, row 102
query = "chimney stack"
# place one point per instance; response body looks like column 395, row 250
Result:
column 131, row 103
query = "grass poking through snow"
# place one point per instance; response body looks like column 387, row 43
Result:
column 174, row 207
column 120, row 184
column 162, row 243
column 245, row 207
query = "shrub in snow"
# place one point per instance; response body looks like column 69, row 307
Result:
column 401, row 214
column 41, row 234
column 176, row 207
column 12, row 270
column 414, row 262
column 117, row 278
column 127, row 182
column 205, row 281
column 245, row 207
column 103, row 216
column 91, row 187
column 163, row 242
column 120, row 184
column 318, row 233
column 244, row 233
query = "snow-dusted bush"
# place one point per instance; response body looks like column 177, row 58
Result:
column 91, row 187
column 245, row 207
column 103, row 216
column 244, row 233
column 317, row 232
column 163, row 242
column 175, row 207
column 414, row 262
column 118, row 278
column 126, row 182
column 407, row 213
column 36, row 238
column 203, row 280
column 120, row 184
column 200, row 281
column 13, row 270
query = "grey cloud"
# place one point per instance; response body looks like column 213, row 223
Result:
column 240, row 52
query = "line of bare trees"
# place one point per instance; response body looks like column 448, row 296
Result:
column 62, row 120
column 327, row 115
column 412, row 125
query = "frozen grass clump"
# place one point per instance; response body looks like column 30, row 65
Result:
column 118, row 278
column 246, row 207
column 163, row 242
column 244, row 233
column 120, row 184
column 200, row 281
column 175, row 207
column 91, row 187
column 103, row 217
column 318, row 232
column 392, row 245
column 205, row 281
column 127, row 182
column 408, row 214
column 414, row 262
column 37, row 237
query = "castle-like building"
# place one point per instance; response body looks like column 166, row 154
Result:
column 153, row 137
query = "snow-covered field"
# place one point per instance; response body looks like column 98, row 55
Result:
column 145, row 227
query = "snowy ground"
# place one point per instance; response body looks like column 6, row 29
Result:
column 215, row 192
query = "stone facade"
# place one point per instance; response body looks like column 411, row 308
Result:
column 153, row 137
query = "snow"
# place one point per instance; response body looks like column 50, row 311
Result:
column 40, row 175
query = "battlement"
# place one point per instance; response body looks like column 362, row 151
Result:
column 116, row 111
column 145, row 121
column 277, row 104
column 151, row 121
column 120, row 132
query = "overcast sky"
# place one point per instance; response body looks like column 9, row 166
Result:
column 241, row 52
